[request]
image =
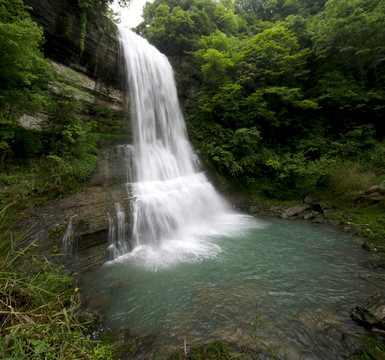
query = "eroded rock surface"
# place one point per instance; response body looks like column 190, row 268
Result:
column 88, row 210
column 371, row 312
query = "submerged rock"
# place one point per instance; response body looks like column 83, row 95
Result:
column 99, row 301
column 338, row 337
column 371, row 313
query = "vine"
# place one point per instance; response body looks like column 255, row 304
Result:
column 83, row 28
column 68, row 30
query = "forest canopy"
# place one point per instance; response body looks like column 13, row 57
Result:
column 276, row 93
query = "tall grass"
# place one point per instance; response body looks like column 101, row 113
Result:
column 38, row 306
column 346, row 178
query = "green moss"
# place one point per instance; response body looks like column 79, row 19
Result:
column 68, row 31
column 82, row 222
column 83, row 28
column 375, row 351
column 57, row 231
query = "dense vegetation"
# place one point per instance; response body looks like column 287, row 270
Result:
column 285, row 97
column 53, row 160
column 278, row 90
column 39, row 317
column 281, row 97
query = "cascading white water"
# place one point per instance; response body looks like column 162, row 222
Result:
column 171, row 194
column 117, row 232
column 68, row 238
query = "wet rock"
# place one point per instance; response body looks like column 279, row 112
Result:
column 62, row 25
column 132, row 345
column 350, row 229
column 311, row 215
column 91, row 205
column 295, row 210
column 348, row 216
column 92, row 320
column 371, row 313
column 91, row 316
column 256, row 208
column 319, row 219
column 334, row 222
column 276, row 210
column 327, row 213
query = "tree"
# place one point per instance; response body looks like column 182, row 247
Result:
column 24, row 72
column 350, row 33
column 276, row 56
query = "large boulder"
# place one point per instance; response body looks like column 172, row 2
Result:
column 371, row 313
column 295, row 210
column 375, row 194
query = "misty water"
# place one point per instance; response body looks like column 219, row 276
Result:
column 187, row 268
column 296, row 282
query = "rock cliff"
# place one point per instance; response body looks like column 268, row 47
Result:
column 62, row 25
column 89, row 208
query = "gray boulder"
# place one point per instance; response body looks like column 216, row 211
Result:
column 295, row 210
column 371, row 313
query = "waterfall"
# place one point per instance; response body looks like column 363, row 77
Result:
column 117, row 232
column 171, row 194
column 68, row 238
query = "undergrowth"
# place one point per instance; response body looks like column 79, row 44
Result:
column 38, row 306
column 29, row 183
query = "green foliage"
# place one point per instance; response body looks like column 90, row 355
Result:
column 105, row 121
column 38, row 305
column 83, row 28
column 46, row 177
column 376, row 349
column 305, row 76
column 23, row 70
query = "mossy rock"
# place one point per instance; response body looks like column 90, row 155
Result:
column 371, row 313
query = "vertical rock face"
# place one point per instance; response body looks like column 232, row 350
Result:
column 62, row 25
column 88, row 209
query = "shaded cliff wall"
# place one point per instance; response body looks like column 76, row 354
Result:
column 62, row 24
